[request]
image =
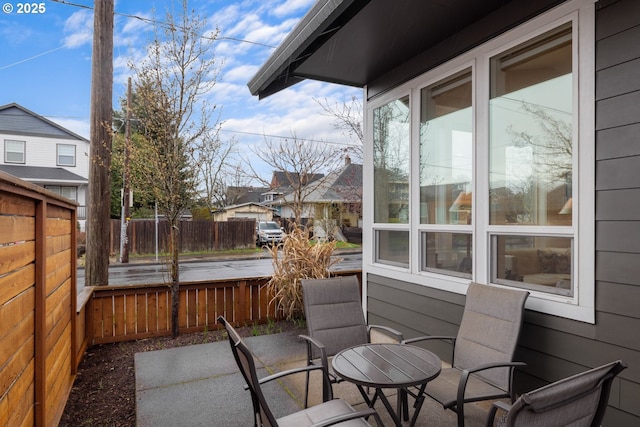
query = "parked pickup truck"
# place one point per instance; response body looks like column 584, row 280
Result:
column 268, row 232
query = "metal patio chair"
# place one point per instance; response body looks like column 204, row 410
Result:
column 335, row 320
column 482, row 361
column 330, row 412
column 579, row 401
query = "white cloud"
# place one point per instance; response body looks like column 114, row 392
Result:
column 78, row 29
column 242, row 73
column 292, row 6
column 80, row 127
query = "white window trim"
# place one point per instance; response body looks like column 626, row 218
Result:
column 581, row 306
column 75, row 152
column 24, row 152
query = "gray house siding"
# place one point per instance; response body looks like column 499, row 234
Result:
column 554, row 347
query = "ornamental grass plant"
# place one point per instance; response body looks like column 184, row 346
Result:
column 296, row 259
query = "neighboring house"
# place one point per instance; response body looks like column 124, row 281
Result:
column 44, row 153
column 240, row 195
column 501, row 147
column 279, row 196
column 249, row 210
column 330, row 201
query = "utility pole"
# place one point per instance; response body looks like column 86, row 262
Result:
column 126, row 184
column 99, row 197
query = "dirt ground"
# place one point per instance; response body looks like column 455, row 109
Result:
column 103, row 393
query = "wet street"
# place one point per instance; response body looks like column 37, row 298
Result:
column 130, row 274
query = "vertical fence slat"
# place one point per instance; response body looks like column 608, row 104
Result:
column 141, row 313
column 119, row 318
column 130, row 314
column 152, row 312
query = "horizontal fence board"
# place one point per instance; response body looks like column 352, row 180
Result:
column 16, row 256
column 16, row 229
column 13, row 204
column 16, row 282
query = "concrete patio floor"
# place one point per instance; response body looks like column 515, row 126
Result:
column 200, row 385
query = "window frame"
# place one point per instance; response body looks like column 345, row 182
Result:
column 580, row 306
column 24, row 151
column 58, row 162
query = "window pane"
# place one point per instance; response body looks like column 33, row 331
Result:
column 531, row 112
column 391, row 162
column 67, row 155
column 14, row 151
column 446, row 135
column 448, row 253
column 392, row 247
column 537, row 263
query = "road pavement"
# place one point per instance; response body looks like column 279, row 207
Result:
column 210, row 269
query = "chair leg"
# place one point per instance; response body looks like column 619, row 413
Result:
column 460, row 411
column 306, row 392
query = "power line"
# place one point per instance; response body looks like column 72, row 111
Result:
column 163, row 24
column 30, row 58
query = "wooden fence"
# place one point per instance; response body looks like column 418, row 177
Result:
column 194, row 236
column 37, row 303
column 125, row 313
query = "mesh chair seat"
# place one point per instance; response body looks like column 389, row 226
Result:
column 320, row 413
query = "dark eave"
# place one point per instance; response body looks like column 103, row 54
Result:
column 356, row 42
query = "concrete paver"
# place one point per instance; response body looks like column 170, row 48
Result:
column 200, row 385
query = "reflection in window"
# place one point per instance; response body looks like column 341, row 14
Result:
column 446, row 136
column 391, row 162
column 448, row 253
column 392, row 247
column 534, row 262
column 531, row 111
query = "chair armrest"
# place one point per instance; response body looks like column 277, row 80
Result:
column 498, row 404
column 389, row 331
column 317, row 344
column 464, row 377
column 429, row 337
column 351, row 416
column 289, row 372
column 327, row 391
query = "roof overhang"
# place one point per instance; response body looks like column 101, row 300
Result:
column 356, row 42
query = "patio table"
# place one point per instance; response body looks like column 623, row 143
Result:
column 383, row 366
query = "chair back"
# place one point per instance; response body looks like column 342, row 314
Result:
column 489, row 330
column 262, row 414
column 333, row 310
column 578, row 401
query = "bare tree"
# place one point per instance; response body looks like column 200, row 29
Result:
column 347, row 119
column 303, row 164
column 170, row 106
column 211, row 157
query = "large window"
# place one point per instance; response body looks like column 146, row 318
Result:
column 481, row 168
column 446, row 175
column 14, row 151
column 391, row 147
column 531, row 162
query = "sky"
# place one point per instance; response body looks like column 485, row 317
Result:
column 45, row 65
